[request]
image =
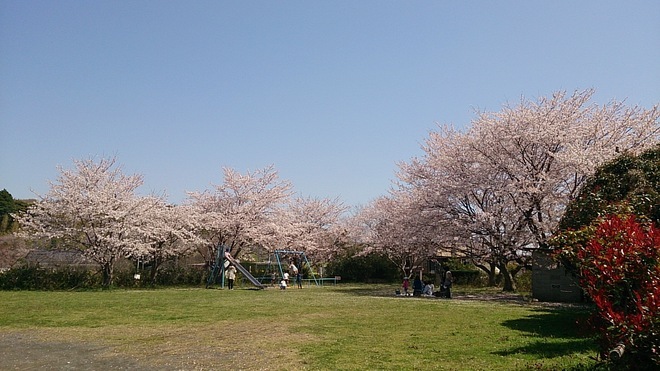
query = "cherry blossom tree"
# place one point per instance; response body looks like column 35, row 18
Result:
column 469, row 204
column 239, row 213
column 168, row 233
column 545, row 150
column 398, row 231
column 92, row 208
column 504, row 184
column 311, row 225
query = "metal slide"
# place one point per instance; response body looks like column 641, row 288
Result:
column 244, row 271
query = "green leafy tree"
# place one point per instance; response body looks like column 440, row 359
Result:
column 629, row 180
column 7, row 207
column 6, row 202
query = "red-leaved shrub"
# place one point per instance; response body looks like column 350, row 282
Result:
column 620, row 271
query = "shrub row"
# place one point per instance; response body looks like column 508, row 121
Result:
column 70, row 278
column 36, row 278
column 370, row 268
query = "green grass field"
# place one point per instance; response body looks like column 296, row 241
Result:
column 327, row 328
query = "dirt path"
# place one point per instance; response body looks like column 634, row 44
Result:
column 24, row 350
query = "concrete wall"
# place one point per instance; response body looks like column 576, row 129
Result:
column 551, row 282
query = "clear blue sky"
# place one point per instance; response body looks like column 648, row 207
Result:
column 332, row 93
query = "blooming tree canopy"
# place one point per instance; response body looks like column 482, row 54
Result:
column 312, row 226
column 544, row 151
column 239, row 213
column 400, row 231
column 504, row 184
column 168, row 232
column 92, row 208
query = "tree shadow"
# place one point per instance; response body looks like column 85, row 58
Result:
column 545, row 349
column 556, row 332
column 384, row 290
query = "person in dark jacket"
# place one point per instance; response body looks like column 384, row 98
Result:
column 418, row 286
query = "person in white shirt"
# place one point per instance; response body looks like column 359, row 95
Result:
column 231, row 276
column 428, row 289
column 293, row 269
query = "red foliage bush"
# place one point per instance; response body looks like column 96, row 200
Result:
column 620, row 270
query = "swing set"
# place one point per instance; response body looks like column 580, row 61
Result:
column 299, row 255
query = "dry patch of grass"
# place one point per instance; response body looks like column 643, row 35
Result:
column 237, row 345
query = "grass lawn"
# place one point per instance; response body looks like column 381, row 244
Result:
column 328, row 328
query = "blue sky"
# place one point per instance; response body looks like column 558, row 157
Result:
column 332, row 93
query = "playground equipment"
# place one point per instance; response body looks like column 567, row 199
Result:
column 222, row 260
column 279, row 254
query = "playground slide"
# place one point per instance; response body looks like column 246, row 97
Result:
column 245, row 272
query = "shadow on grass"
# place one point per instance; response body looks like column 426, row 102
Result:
column 368, row 289
column 556, row 332
column 545, row 349
column 389, row 290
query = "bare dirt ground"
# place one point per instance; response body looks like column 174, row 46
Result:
column 215, row 347
column 30, row 350
column 25, row 350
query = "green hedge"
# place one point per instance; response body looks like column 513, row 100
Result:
column 67, row 278
column 369, row 268
column 36, row 278
column 466, row 277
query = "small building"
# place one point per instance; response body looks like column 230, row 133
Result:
column 551, row 281
column 57, row 258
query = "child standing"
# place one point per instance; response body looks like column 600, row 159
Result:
column 231, row 276
column 406, row 286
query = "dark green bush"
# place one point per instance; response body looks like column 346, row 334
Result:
column 168, row 275
column 524, row 281
column 74, row 278
column 37, row 278
column 181, row 276
column 466, row 277
column 369, row 268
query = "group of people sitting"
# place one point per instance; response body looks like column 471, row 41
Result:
column 421, row 288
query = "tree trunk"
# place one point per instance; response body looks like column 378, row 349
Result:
column 509, row 283
column 154, row 271
column 491, row 271
column 107, row 269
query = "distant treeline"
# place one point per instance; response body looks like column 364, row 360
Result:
column 8, row 206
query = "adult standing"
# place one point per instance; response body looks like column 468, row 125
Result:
column 273, row 278
column 296, row 273
column 446, row 285
column 231, row 276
